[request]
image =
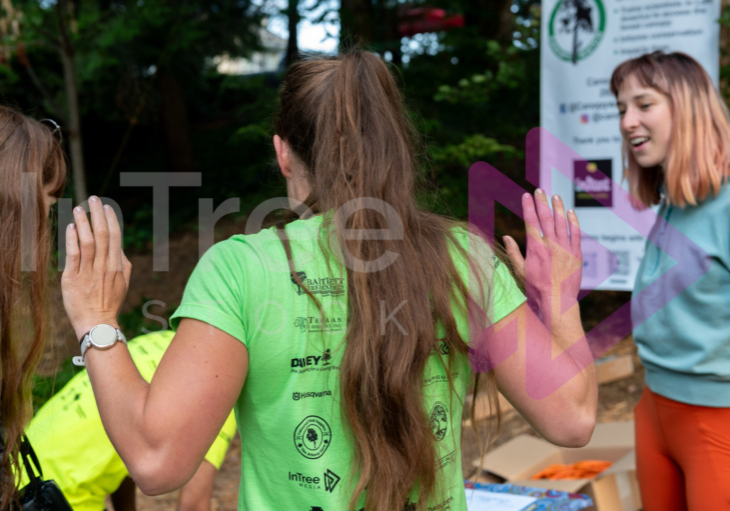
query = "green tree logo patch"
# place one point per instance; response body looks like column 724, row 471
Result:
column 576, row 28
column 312, row 437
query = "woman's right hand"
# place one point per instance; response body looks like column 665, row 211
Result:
column 97, row 272
column 550, row 377
column 553, row 267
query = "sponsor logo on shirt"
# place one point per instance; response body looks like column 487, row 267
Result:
column 330, row 480
column 315, row 482
column 310, row 483
column 313, row 363
column 324, row 286
column 312, row 437
column 296, row 396
column 445, row 460
column 311, row 324
column 439, row 420
column 444, row 348
column 440, row 378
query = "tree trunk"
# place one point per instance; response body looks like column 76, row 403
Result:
column 74, row 125
column 292, row 47
column 493, row 18
column 175, row 122
column 356, row 25
column 389, row 28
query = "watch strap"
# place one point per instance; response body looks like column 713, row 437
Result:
column 86, row 344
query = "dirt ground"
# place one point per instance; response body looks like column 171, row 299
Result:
column 616, row 400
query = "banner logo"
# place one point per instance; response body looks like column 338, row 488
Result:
column 576, row 28
column 593, row 189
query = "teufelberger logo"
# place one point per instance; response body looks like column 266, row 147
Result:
column 312, row 437
column 439, row 420
column 325, row 286
column 576, row 28
column 318, row 324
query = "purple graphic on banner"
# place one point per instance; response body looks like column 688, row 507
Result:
column 589, row 183
column 546, row 374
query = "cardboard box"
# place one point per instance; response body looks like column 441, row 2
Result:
column 614, row 368
column 481, row 409
column 608, row 369
column 615, row 489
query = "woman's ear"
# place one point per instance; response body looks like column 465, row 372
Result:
column 282, row 156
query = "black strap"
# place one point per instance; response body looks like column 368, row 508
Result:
column 26, row 451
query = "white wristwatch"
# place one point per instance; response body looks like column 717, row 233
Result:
column 101, row 337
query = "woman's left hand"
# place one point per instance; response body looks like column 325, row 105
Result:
column 97, row 272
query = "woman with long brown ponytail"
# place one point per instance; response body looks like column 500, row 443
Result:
column 32, row 176
column 342, row 335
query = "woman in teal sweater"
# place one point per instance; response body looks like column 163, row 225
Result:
column 676, row 142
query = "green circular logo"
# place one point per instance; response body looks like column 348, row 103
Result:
column 576, row 28
column 312, row 437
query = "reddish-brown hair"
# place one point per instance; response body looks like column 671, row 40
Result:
column 697, row 158
column 30, row 160
column 344, row 119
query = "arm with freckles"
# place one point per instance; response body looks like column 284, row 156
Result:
column 161, row 430
column 550, row 377
column 172, row 421
column 567, row 415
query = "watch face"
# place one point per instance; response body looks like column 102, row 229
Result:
column 103, row 335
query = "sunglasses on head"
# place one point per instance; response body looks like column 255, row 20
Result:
column 55, row 129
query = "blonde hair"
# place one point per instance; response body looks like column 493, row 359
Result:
column 697, row 157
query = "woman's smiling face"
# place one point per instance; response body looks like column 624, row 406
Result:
column 646, row 121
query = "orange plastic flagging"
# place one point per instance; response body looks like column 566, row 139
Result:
column 581, row 470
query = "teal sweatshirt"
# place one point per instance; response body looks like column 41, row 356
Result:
column 681, row 303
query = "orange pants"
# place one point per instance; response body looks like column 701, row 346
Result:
column 682, row 455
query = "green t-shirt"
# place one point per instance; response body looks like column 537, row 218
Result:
column 295, row 454
column 72, row 446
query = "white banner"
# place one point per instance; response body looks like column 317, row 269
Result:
column 582, row 41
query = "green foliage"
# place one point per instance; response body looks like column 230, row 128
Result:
column 473, row 148
column 480, row 87
column 256, row 132
column 138, row 233
column 472, row 94
column 482, row 105
column 724, row 53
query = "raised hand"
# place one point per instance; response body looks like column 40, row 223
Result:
column 553, row 264
column 97, row 272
